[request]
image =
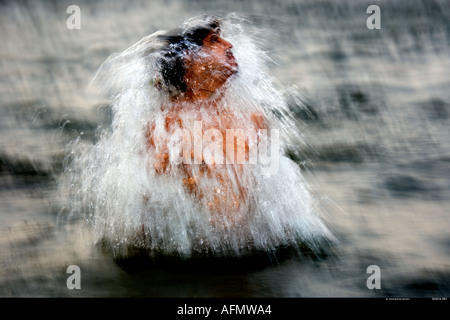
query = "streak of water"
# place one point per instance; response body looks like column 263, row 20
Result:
column 114, row 186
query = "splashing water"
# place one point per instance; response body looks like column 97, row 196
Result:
column 114, row 187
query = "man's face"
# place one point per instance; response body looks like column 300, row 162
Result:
column 209, row 68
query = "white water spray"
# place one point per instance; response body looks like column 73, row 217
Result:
column 113, row 186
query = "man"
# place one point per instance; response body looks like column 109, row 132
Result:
column 152, row 180
column 195, row 67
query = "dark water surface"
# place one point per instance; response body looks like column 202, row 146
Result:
column 378, row 126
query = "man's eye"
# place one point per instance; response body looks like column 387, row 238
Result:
column 214, row 38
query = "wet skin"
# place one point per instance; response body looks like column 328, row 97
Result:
column 207, row 70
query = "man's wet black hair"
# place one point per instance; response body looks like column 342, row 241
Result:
column 179, row 41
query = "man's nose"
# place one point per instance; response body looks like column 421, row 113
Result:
column 227, row 44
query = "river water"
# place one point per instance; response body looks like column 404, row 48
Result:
column 377, row 126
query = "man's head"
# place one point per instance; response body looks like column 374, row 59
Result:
column 197, row 61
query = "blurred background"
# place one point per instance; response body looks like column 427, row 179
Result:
column 377, row 124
